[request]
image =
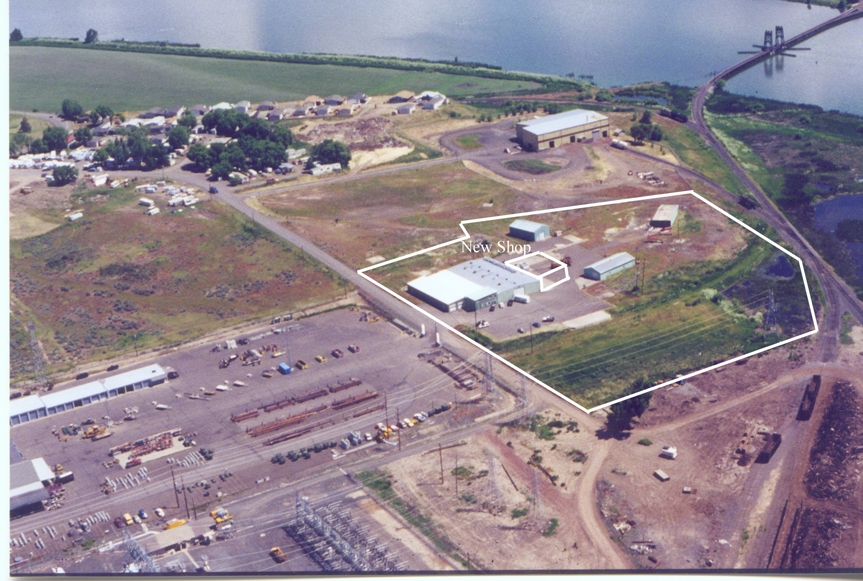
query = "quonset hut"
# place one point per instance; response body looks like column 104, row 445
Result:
column 555, row 130
column 608, row 266
column 473, row 285
column 530, row 231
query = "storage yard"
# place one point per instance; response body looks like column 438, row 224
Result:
column 321, row 404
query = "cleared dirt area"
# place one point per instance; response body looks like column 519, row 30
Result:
column 507, row 513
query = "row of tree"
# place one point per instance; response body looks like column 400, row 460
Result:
column 645, row 129
column 92, row 36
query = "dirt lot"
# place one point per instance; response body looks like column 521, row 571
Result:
column 503, row 504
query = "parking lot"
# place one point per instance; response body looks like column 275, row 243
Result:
column 564, row 302
column 387, row 363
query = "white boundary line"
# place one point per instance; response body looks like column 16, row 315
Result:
column 466, row 236
column 541, row 277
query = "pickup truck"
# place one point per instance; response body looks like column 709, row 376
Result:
column 302, row 364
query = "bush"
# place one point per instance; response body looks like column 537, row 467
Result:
column 645, row 442
column 519, row 512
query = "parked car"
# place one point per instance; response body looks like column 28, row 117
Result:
column 213, row 190
column 353, row 348
column 118, row 522
column 338, row 354
column 173, row 374
column 143, row 514
column 114, row 367
column 82, row 375
column 321, row 358
column 159, row 512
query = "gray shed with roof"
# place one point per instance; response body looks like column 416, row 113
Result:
column 609, row 266
column 555, row 130
column 530, row 231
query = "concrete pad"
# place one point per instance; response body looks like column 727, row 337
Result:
column 588, row 320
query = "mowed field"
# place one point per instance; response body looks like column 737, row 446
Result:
column 393, row 214
column 96, row 286
column 41, row 77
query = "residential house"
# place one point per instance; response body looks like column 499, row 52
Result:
column 358, row 99
column 276, row 114
column 334, row 100
column 266, row 106
column 406, row 109
column 323, row 111
column 199, row 110
column 175, row 111
column 154, row 112
column 402, row 97
column 243, row 106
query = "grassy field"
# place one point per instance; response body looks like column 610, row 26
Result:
column 696, row 154
column 41, row 77
column 686, row 319
column 410, row 210
column 97, row 285
column 37, row 126
column 469, row 142
column 531, row 166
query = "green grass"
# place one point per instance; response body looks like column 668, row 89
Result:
column 596, row 364
column 469, row 142
column 37, row 126
column 847, row 325
column 41, row 77
column 696, row 154
column 551, row 528
column 531, row 166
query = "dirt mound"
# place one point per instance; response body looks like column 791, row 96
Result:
column 833, row 462
column 360, row 134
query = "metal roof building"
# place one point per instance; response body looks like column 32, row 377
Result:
column 36, row 406
column 530, row 231
column 555, row 130
column 665, row 216
column 473, row 285
column 609, row 266
column 27, row 482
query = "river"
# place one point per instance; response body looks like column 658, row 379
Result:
column 618, row 42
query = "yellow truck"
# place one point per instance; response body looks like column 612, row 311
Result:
column 128, row 518
column 277, row 554
column 220, row 515
column 173, row 523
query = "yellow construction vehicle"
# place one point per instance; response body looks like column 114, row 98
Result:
column 221, row 515
column 277, row 554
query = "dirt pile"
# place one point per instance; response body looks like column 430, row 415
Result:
column 360, row 135
column 833, row 462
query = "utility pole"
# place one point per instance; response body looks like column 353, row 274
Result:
column 531, row 339
column 386, row 412
column 186, row 500
column 456, row 473
column 174, row 481
column 400, row 432
column 440, row 455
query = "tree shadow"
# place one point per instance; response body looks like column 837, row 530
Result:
column 613, row 432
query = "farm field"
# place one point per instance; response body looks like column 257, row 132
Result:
column 139, row 81
column 116, row 279
column 411, row 210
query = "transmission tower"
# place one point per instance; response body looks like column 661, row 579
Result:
column 37, row 355
column 771, row 311
column 538, row 517
column 493, row 493
column 139, row 557
column 488, row 380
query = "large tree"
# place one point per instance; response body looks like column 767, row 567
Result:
column 54, row 138
column 330, row 151
column 178, row 136
column 83, row 135
column 16, row 35
column 188, row 120
column 71, row 109
column 64, row 174
column 623, row 412
column 155, row 157
column 25, row 126
column 91, row 36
